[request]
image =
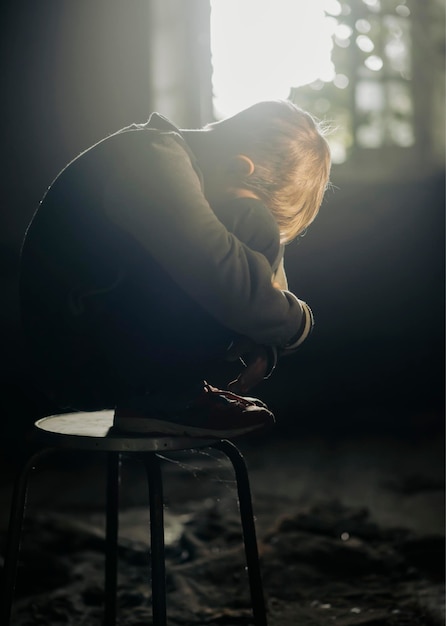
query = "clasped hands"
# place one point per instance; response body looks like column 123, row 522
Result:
column 256, row 360
column 255, row 357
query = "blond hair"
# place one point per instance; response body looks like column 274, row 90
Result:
column 291, row 157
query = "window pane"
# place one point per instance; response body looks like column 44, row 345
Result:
column 400, row 114
column 347, row 62
column 396, row 45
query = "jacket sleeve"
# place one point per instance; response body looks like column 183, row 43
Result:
column 253, row 224
column 154, row 193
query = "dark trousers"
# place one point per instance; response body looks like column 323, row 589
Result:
column 104, row 322
column 125, row 344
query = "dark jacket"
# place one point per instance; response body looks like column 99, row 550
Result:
column 122, row 227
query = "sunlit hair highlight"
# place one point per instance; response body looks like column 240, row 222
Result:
column 291, row 156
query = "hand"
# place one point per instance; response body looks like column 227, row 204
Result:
column 255, row 359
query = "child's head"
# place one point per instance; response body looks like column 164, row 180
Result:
column 291, row 159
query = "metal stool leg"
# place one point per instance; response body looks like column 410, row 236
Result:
column 15, row 533
column 248, row 527
column 156, row 504
column 111, row 536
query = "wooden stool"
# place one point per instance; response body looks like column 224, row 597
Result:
column 93, row 432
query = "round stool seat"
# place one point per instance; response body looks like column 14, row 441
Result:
column 94, row 431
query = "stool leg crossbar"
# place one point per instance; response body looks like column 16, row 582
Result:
column 156, row 504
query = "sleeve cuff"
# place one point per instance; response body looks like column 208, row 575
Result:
column 304, row 331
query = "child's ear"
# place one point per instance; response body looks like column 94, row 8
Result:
column 243, row 165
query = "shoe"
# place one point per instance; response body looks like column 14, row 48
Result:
column 213, row 414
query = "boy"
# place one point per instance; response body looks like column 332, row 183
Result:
column 132, row 287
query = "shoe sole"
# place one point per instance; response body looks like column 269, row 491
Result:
column 146, row 426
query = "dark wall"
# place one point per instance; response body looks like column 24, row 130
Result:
column 72, row 72
column 371, row 266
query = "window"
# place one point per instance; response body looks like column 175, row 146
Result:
column 347, row 62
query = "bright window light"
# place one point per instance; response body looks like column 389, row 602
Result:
column 263, row 48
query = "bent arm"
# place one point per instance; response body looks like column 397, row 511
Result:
column 154, row 193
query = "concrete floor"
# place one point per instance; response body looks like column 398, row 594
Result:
column 400, row 483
